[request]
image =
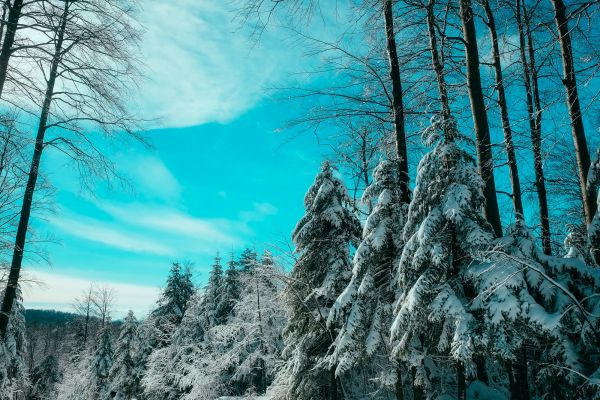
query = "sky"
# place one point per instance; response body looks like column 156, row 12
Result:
column 221, row 174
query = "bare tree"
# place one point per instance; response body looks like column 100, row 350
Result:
column 88, row 71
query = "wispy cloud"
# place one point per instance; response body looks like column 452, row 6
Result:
column 201, row 67
column 58, row 291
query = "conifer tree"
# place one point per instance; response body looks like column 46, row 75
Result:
column 124, row 375
column 102, row 361
column 364, row 308
column 44, row 378
column 231, row 290
column 247, row 260
column 594, row 228
column 213, row 294
column 322, row 271
column 444, row 229
column 13, row 371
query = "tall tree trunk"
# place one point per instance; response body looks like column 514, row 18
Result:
column 437, row 64
column 461, row 382
column 569, row 80
column 480, row 120
column 14, row 14
column 20, row 239
column 397, row 102
column 506, row 128
column 534, row 113
column 522, row 379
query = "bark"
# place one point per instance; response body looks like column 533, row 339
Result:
column 534, row 113
column 522, row 378
column 461, row 382
column 399, row 387
column 397, row 102
column 438, row 65
column 21, row 236
column 14, row 14
column 506, row 128
column 480, row 120
column 569, row 80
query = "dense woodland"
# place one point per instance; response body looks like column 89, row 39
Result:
column 449, row 249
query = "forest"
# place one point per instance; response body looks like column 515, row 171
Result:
column 450, row 241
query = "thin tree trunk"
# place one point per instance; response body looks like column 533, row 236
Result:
column 14, row 14
column 17, row 260
column 480, row 120
column 399, row 386
column 5, row 7
column 569, row 80
column 506, row 128
column 534, row 113
column 461, row 382
column 438, row 66
column 522, row 381
column 397, row 102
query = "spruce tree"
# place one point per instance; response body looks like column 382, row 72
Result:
column 364, row 309
column 13, row 371
column 594, row 228
column 321, row 272
column 444, row 229
column 248, row 260
column 231, row 290
column 124, row 375
column 213, row 294
column 101, row 364
column 44, row 378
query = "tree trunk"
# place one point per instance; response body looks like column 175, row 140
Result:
column 506, row 128
column 399, row 386
column 461, row 382
column 480, row 120
column 14, row 14
column 569, row 80
column 438, row 66
column 534, row 113
column 397, row 102
column 17, row 259
column 522, row 379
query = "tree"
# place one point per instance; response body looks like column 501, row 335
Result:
column 213, row 294
column 569, row 80
column 594, row 227
column 444, row 229
column 247, row 260
column 364, row 309
column 124, row 374
column 44, row 378
column 231, row 289
column 101, row 363
column 480, row 119
column 13, row 370
column 322, row 238
column 88, row 69
column 503, row 105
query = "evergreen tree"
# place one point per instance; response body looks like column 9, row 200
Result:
column 231, row 290
column 444, row 230
column 213, row 294
column 364, row 309
column 593, row 184
column 171, row 306
column 124, row 375
column 102, row 362
column 13, row 371
column 321, row 272
column 248, row 260
column 44, row 378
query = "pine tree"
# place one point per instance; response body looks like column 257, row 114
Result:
column 322, row 238
column 13, row 371
column 365, row 307
column 231, row 290
column 247, row 260
column 124, row 375
column 102, row 361
column 171, row 306
column 213, row 294
column 44, row 378
column 444, row 229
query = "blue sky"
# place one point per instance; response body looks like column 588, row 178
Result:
column 221, row 176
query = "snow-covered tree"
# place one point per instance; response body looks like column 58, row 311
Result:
column 213, row 294
column 102, row 361
column 445, row 227
column 171, row 304
column 231, row 290
column 248, row 260
column 44, row 378
column 364, row 309
column 322, row 237
column 13, row 371
column 124, row 374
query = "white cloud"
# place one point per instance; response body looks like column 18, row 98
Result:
column 58, row 291
column 101, row 232
column 151, row 176
column 201, row 67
